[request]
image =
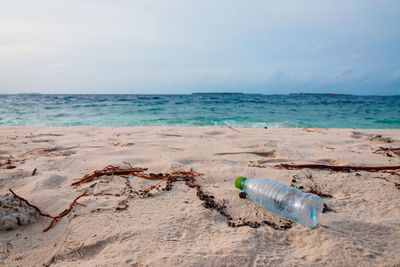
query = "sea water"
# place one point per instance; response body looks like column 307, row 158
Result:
column 234, row 109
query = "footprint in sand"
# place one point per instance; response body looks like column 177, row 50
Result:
column 371, row 137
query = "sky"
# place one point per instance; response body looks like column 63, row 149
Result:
column 177, row 47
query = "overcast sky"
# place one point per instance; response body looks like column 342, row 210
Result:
column 154, row 46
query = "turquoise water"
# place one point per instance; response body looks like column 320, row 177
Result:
column 237, row 110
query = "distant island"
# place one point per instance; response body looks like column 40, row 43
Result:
column 216, row 93
column 319, row 94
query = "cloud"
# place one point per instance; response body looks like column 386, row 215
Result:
column 174, row 46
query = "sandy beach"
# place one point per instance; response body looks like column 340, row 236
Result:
column 113, row 226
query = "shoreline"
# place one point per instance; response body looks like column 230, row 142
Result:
column 172, row 227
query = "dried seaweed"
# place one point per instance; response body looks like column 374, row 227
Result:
column 65, row 212
column 335, row 168
column 327, row 209
column 113, row 170
column 189, row 177
column 54, row 218
column 7, row 162
column 30, row 205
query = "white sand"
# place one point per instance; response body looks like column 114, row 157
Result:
column 172, row 227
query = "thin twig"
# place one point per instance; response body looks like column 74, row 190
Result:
column 233, row 129
column 32, row 150
column 155, row 185
column 7, row 162
column 30, row 205
column 110, row 170
column 312, row 129
column 54, row 218
column 62, row 214
column 336, row 168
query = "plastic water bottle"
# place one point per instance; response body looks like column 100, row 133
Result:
column 289, row 202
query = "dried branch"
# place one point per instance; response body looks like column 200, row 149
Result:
column 335, row 168
column 312, row 129
column 111, row 170
column 155, row 185
column 7, row 162
column 54, row 218
column 30, row 205
column 231, row 128
column 62, row 214
column 32, row 150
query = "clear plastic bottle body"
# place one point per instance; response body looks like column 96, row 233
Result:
column 284, row 200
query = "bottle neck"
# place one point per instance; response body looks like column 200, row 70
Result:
column 239, row 182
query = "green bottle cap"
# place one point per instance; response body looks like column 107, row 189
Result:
column 239, row 182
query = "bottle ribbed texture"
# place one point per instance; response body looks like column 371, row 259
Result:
column 284, row 200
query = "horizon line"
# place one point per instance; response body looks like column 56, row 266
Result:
column 204, row 93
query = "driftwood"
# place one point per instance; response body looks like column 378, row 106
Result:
column 54, row 218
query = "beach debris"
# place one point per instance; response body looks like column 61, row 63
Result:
column 7, row 162
column 189, row 177
column 390, row 151
column 54, row 218
column 268, row 154
column 231, row 128
column 31, row 151
column 312, row 129
column 371, row 137
column 256, row 164
column 34, row 172
column 379, row 138
column 327, row 209
column 313, row 188
column 242, row 195
column 334, row 167
column 115, row 170
column 383, row 169
column 52, row 259
column 52, row 151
